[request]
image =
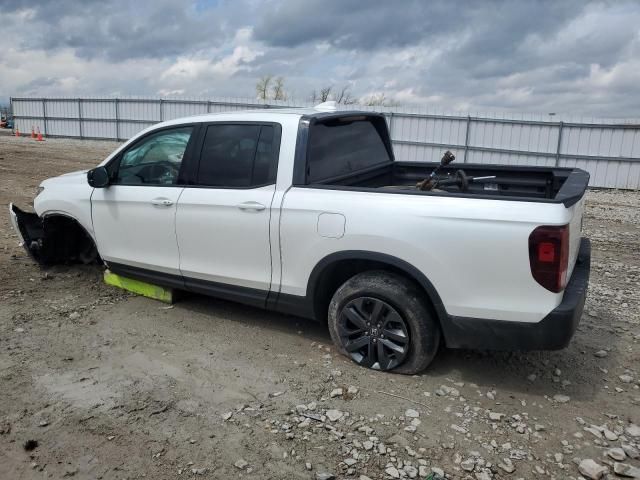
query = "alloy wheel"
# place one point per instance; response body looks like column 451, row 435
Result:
column 374, row 334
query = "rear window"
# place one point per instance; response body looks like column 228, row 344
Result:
column 340, row 147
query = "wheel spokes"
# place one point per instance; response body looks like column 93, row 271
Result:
column 373, row 333
column 396, row 335
column 355, row 316
column 358, row 343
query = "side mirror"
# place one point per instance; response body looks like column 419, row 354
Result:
column 98, row 177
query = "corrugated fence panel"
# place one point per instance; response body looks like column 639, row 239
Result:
column 62, row 108
column 26, row 124
column 63, row 128
column 609, row 151
column 129, row 129
column 420, row 153
column 98, row 129
column 29, row 108
column 499, row 158
column 97, row 109
column 514, row 136
column 171, row 110
column 132, row 110
column 433, row 130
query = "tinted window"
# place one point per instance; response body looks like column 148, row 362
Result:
column 339, row 147
column 238, row 156
column 155, row 160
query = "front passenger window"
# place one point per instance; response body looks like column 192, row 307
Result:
column 156, row 160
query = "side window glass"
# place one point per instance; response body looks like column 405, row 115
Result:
column 238, row 156
column 156, row 160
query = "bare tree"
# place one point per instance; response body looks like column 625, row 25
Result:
column 262, row 87
column 278, row 89
column 376, row 100
column 325, row 93
column 344, row 97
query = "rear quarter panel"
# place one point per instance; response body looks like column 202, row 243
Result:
column 474, row 251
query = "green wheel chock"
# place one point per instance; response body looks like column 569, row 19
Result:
column 164, row 294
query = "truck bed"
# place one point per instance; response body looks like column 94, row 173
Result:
column 523, row 183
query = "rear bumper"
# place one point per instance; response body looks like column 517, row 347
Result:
column 553, row 332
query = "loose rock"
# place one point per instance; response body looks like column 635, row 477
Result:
column 334, row 415
column 591, row 469
column 626, row 470
column 561, row 398
column 241, row 464
column 617, row 454
column 411, row 413
column 336, row 392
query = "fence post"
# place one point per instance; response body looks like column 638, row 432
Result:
column 391, row 126
column 117, row 121
column 161, row 112
column 13, row 117
column 466, row 139
column 80, row 116
column 559, row 143
column 209, row 106
column 44, row 117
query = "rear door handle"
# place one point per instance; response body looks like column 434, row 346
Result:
column 248, row 206
column 162, row 202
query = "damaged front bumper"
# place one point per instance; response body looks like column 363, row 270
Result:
column 29, row 227
column 51, row 240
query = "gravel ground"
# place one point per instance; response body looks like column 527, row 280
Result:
column 96, row 383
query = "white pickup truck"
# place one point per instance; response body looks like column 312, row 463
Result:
column 306, row 211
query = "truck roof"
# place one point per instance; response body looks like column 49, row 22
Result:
column 269, row 115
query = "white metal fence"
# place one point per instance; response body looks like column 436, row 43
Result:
column 608, row 149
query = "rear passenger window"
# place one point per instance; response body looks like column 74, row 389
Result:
column 240, row 156
column 340, row 147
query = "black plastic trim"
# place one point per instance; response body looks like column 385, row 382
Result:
column 152, row 276
column 234, row 293
column 553, row 332
column 304, row 305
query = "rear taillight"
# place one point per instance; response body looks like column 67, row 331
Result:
column 549, row 256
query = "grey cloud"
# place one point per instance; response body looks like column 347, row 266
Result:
column 538, row 55
column 119, row 30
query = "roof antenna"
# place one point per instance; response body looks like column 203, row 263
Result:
column 329, row 106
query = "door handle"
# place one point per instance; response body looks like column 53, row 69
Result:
column 248, row 206
column 162, row 202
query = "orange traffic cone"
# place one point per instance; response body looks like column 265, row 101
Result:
column 40, row 139
column 17, row 132
column 33, row 132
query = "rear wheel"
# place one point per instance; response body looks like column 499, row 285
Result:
column 381, row 321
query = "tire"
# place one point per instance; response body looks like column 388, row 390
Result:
column 382, row 320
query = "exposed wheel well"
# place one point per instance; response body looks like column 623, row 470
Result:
column 327, row 278
column 66, row 241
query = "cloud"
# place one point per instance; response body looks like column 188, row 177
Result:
column 571, row 56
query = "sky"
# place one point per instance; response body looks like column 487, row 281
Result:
column 564, row 56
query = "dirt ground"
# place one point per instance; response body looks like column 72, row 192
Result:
column 114, row 386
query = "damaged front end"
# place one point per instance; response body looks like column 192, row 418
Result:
column 53, row 239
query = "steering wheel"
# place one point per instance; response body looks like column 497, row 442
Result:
column 159, row 170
